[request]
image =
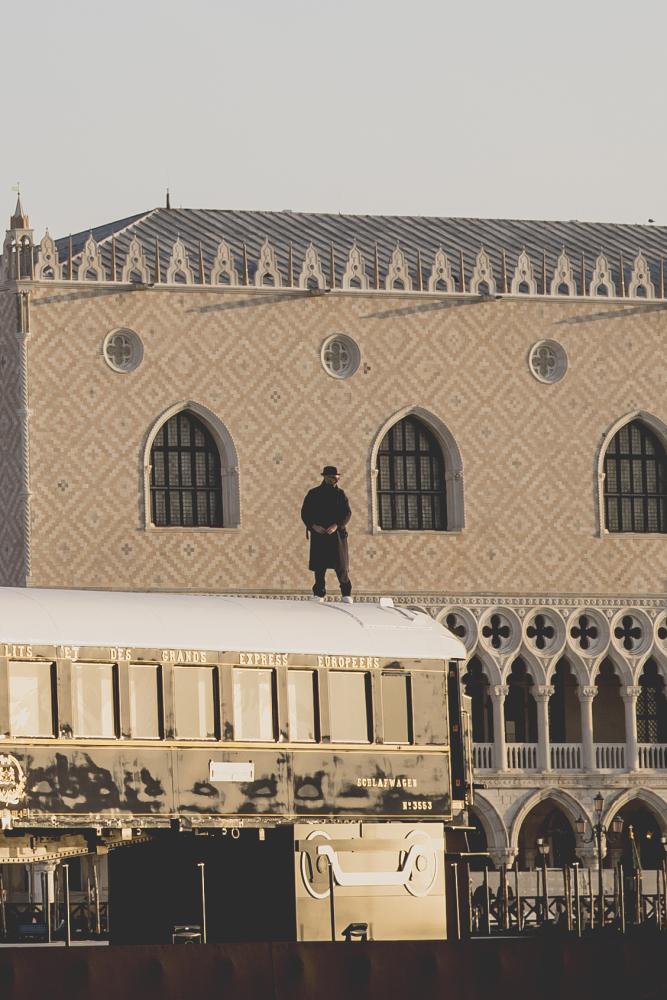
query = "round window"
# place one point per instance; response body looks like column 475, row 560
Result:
column 340, row 356
column 123, row 350
column 548, row 361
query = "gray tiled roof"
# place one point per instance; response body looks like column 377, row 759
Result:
column 414, row 234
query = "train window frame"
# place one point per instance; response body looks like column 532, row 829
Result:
column 367, row 687
column 77, row 670
column 395, row 675
column 315, row 682
column 180, row 670
column 239, row 671
column 159, row 699
column 51, row 666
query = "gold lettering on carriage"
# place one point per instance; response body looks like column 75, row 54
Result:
column 386, row 782
column 349, row 662
column 184, row 656
column 263, row 659
column 17, row 652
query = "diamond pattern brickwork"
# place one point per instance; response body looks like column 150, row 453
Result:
column 12, row 564
column 252, row 357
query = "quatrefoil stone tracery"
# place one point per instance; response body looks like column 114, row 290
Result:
column 498, row 631
column 541, row 631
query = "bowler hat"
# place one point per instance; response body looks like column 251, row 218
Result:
column 330, row 470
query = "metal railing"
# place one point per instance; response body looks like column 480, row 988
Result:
column 568, row 899
column 566, row 756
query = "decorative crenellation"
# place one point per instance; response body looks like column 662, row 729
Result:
column 125, row 258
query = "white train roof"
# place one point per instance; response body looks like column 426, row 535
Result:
column 183, row 621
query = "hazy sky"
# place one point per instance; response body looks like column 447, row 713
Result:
column 507, row 108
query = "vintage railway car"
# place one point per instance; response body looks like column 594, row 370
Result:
column 289, row 745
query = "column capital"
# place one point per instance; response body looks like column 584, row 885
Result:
column 587, row 693
column 630, row 693
column 543, row 692
column 500, row 690
column 503, row 856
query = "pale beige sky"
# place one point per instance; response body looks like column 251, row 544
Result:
column 506, row 109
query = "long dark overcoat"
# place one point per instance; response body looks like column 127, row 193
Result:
column 327, row 505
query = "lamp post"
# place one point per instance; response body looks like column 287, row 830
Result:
column 598, row 831
column 543, row 849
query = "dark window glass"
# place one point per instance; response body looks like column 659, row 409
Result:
column 635, row 485
column 651, row 706
column 186, row 485
column 411, row 476
column 396, row 709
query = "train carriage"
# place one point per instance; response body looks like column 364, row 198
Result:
column 313, row 756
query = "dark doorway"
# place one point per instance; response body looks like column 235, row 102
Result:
column 646, row 834
column 249, row 887
column 548, row 823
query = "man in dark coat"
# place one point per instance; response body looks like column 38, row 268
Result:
column 325, row 513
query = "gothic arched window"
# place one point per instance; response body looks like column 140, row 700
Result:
column 186, row 483
column 411, row 479
column 635, row 481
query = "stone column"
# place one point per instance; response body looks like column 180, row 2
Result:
column 586, row 695
column 630, row 695
column 541, row 695
column 498, row 693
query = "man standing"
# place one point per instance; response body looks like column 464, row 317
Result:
column 325, row 513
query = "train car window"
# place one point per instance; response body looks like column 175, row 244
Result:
column 144, row 701
column 301, row 699
column 396, row 709
column 30, row 699
column 194, row 703
column 429, row 706
column 93, row 699
column 253, row 705
column 349, row 707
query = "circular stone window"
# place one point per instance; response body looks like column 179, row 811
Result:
column 340, row 356
column 123, row 350
column 548, row 361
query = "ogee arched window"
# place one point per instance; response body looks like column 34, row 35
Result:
column 635, row 480
column 411, row 479
column 186, row 483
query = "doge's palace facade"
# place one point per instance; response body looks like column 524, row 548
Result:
column 494, row 394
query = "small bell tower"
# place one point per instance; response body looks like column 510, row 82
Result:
column 17, row 250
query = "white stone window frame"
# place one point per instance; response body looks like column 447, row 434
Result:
column 561, row 364
column 353, row 351
column 229, row 468
column 659, row 428
column 137, row 349
column 453, row 473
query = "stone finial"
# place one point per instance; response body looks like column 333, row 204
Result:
column 601, row 277
column 179, row 264
column 523, row 275
column 641, row 279
column 312, row 275
column 482, row 274
column 48, row 266
column 267, row 267
column 398, row 272
column 135, row 263
column 355, row 275
column 441, row 273
column 91, row 267
column 564, row 275
column 223, row 266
